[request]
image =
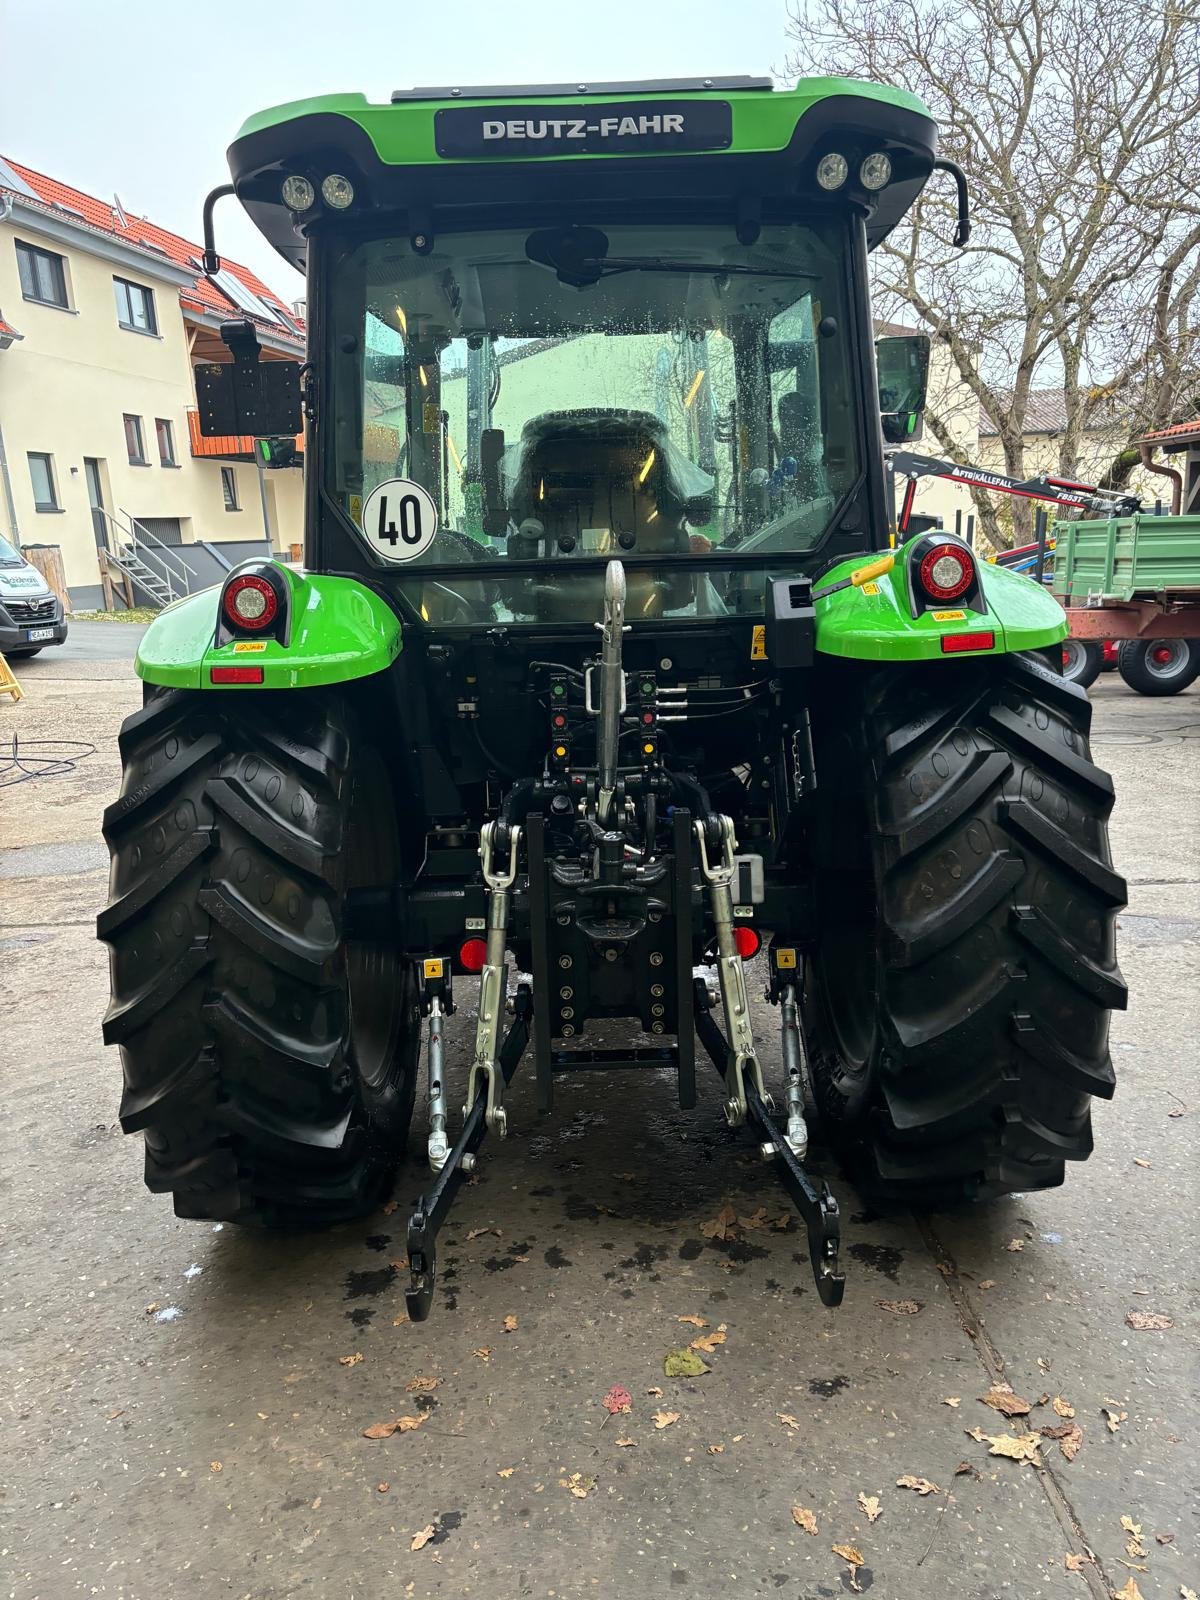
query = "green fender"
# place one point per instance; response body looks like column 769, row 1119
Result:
column 876, row 623
column 339, row 630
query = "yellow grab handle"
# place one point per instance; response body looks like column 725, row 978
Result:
column 875, row 570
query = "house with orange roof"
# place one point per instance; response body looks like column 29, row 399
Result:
column 103, row 317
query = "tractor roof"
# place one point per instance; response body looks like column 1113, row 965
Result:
column 557, row 145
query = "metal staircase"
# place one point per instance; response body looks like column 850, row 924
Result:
column 155, row 571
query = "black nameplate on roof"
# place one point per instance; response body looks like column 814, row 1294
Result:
column 625, row 128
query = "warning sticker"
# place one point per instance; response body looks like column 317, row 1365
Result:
column 399, row 520
column 785, row 958
column 249, row 647
column 433, row 966
column 758, row 643
column 949, row 616
column 870, row 588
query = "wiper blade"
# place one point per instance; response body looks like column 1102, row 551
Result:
column 704, row 269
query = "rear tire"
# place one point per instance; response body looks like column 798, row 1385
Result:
column 1082, row 660
column 958, row 1002
column 1159, row 666
column 269, row 1060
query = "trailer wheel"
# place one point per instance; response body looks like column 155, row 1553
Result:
column 1082, row 660
column 1159, row 666
column 958, row 1001
column 269, row 1058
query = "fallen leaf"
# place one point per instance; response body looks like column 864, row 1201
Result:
column 848, row 1552
column 782, row 1223
column 1138, row 1162
column 422, row 1385
column 400, row 1263
column 723, row 1225
column 350, row 1361
column 1001, row 1398
column 510, row 1324
column 716, row 1449
column 505, row 1472
column 696, row 1322
column 316, row 1505
column 293, row 1377
column 1043, row 1399
column 384, row 1430
column 655, row 1394
column 521, row 1259
column 484, row 1352
column 214, row 1466
column 664, row 1419
column 382, row 1488
column 921, row 1485
column 420, row 1540
column 869, row 1505
column 625, row 1443
column 1070, row 1445
column 477, row 1233
column 1012, row 1245
column 1164, row 1538
column 1061, row 1430
column 1075, row 1563
column 976, row 1434
column 946, row 1269
column 684, row 1364
column 1135, row 1545
column 952, row 1400
column 1023, row 1447
column 110, row 1416
column 1129, row 1592
column 1146, row 1321
column 1184, row 1592
column 391, row 1206
column 398, row 1322
column 987, row 1283
column 758, row 1220
column 1114, row 1418
column 965, row 1469
column 787, row 1420
column 155, row 1305
column 708, row 1342
column 901, row 1308
column 1061, row 1407
column 804, row 1518
column 617, row 1399
column 579, row 1485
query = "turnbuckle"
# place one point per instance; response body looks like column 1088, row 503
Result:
column 742, row 1060
column 485, row 1077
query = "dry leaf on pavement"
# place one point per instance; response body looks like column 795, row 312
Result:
column 804, row 1518
column 696, row 1322
column 869, row 1505
column 617, row 1400
column 1184, row 1592
column 579, row 1485
column 1129, row 1592
column 505, row 1472
column 625, row 1443
column 1164, row 1538
column 421, row 1385
column 987, row 1283
column 787, row 1420
column 965, row 1469
column 664, row 1419
column 382, row 1488
column 901, row 1308
column 708, row 1342
column 723, row 1225
column 484, row 1352
column 510, row 1324
column 1074, row 1563
column 655, row 1394
column 477, row 1233
column 350, row 1361
column 384, row 1430
column 1135, row 1545
column 1015, row 1244
column 1146, row 1321
column 1001, row 1398
column 1114, row 1418
column 1070, row 1445
column 1061, row 1407
column 420, row 1540
column 921, row 1485
column 1024, row 1447
column 716, row 1449
column 848, row 1552
column 952, row 1400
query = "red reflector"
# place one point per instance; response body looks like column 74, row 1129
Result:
column 967, row 641
column 472, row 953
column 747, row 941
column 235, row 674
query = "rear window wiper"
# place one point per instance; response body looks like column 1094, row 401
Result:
column 607, row 265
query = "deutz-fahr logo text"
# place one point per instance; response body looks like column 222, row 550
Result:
column 539, row 130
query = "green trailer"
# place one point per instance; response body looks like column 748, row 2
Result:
column 603, row 688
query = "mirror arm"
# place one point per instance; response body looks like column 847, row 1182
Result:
column 963, row 231
column 210, row 259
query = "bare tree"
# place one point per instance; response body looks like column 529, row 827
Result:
column 1077, row 123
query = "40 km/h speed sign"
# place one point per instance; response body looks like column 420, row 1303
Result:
column 399, row 520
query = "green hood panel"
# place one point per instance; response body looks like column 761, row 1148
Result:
column 339, row 630
column 875, row 623
column 403, row 134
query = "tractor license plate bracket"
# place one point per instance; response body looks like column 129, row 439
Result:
column 817, row 1207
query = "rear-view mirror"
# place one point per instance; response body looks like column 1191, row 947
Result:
column 902, row 365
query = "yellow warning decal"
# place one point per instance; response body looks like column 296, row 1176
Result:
column 758, row 643
column 949, row 616
column 433, row 966
column 870, row 588
column 249, row 647
column 785, row 958
column 356, row 509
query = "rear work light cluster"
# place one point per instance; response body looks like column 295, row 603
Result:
column 250, row 603
column 946, row 571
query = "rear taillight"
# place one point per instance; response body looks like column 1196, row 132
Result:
column 946, row 571
column 747, row 940
column 472, row 955
column 249, row 603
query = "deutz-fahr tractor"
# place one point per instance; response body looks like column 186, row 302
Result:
column 606, row 690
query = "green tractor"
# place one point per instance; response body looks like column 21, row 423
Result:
column 604, row 679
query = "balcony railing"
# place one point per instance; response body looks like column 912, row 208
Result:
column 226, row 447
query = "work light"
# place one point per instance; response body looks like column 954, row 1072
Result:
column 832, row 170
column 298, row 193
column 337, row 191
column 875, row 172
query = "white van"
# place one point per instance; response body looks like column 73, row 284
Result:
column 31, row 614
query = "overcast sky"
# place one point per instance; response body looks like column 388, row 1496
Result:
column 142, row 98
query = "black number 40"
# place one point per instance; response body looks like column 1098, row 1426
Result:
column 410, row 530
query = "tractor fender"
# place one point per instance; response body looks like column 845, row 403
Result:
column 337, row 630
column 875, row 621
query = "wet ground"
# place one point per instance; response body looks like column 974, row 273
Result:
column 184, row 1404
